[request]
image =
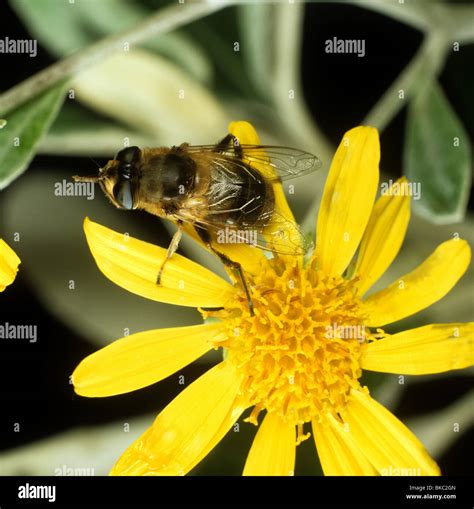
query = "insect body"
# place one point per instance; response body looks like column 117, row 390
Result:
column 215, row 188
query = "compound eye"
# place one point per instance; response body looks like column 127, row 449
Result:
column 124, row 193
column 129, row 155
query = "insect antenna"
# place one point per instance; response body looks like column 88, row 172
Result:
column 95, row 162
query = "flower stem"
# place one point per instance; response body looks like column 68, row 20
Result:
column 163, row 21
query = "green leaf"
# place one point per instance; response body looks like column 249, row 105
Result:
column 23, row 131
column 64, row 27
column 112, row 16
column 435, row 429
column 438, row 156
column 153, row 96
column 78, row 131
column 56, row 25
column 219, row 35
column 258, row 47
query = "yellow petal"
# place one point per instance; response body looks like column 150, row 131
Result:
column 187, row 428
column 348, row 199
column 429, row 349
column 337, row 450
column 273, row 449
column 236, row 410
column 383, row 237
column 250, row 258
column 428, row 283
column 9, row 262
column 142, row 359
column 134, row 265
column 387, row 443
column 245, row 132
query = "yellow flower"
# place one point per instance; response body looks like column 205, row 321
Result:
column 299, row 359
column 9, row 262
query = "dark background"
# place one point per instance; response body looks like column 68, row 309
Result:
column 34, row 379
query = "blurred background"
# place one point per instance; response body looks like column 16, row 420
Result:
column 261, row 62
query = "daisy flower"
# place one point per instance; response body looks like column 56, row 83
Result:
column 297, row 363
column 9, row 262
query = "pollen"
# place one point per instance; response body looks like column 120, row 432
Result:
column 299, row 355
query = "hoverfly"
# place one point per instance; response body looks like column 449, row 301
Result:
column 211, row 187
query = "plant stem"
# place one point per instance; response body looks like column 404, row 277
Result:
column 461, row 18
column 425, row 65
column 163, row 21
column 411, row 14
column 286, row 76
column 442, row 24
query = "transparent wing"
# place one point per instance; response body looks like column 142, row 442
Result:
column 275, row 162
column 279, row 234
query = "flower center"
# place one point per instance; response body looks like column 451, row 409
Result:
column 299, row 354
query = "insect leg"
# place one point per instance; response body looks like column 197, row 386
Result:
column 171, row 250
column 204, row 234
column 236, row 266
column 231, row 140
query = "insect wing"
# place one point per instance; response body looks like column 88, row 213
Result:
column 274, row 162
column 280, row 235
